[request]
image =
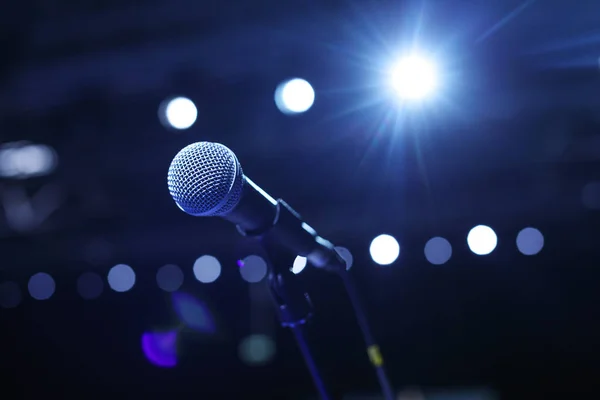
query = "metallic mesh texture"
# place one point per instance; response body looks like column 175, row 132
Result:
column 205, row 179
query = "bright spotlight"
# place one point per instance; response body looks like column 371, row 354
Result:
column 414, row 78
column 178, row 113
column 482, row 240
column 294, row 96
column 384, row 249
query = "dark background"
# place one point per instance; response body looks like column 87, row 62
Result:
column 511, row 143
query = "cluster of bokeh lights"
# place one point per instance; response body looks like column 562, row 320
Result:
column 384, row 250
column 413, row 77
column 481, row 239
column 160, row 347
column 292, row 96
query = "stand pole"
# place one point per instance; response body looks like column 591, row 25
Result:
column 310, row 362
column 294, row 309
column 372, row 348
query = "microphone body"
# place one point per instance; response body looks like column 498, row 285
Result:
column 206, row 179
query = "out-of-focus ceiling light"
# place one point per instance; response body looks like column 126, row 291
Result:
column 21, row 160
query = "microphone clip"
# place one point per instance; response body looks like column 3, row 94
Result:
column 293, row 305
column 288, row 230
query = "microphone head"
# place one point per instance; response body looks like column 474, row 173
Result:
column 205, row 179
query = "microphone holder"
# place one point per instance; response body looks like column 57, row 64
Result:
column 294, row 309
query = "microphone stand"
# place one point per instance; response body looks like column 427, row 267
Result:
column 294, row 308
column 289, row 229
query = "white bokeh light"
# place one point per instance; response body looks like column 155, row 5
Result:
column 299, row 265
column 301, row 262
column 413, row 77
column 26, row 160
column 438, row 250
column 179, row 113
column 482, row 240
column 207, row 269
column 384, row 249
column 530, row 241
column 121, row 278
column 294, row 96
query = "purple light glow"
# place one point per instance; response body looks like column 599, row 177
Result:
column 160, row 348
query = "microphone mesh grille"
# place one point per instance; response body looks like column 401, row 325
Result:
column 205, row 179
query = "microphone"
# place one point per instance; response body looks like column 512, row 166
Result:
column 205, row 179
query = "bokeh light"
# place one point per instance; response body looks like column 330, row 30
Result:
column 590, row 195
column 257, row 350
column 530, row 241
column 10, row 294
column 178, row 113
column 253, row 268
column 294, row 96
column 482, row 240
column 194, row 313
column 207, row 269
column 346, row 256
column 169, row 278
column 90, row 285
column 41, row 286
column 160, row 348
column 299, row 264
column 25, row 160
column 384, row 249
column 438, row 250
column 121, row 278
